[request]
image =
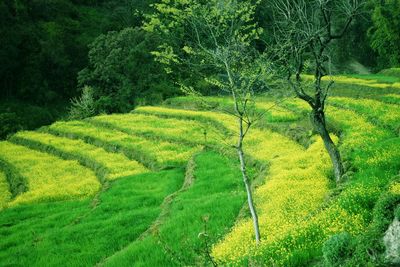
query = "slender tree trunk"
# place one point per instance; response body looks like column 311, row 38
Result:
column 318, row 121
column 247, row 183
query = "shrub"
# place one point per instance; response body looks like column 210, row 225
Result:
column 336, row 249
column 397, row 213
column 9, row 123
column 82, row 107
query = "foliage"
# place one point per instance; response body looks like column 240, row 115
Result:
column 336, row 249
column 9, row 124
column 82, row 107
column 44, row 43
column 385, row 32
column 122, row 72
column 202, row 38
column 19, row 115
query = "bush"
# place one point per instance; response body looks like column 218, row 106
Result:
column 9, row 123
column 391, row 72
column 82, row 107
column 397, row 213
column 336, row 249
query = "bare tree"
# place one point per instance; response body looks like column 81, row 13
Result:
column 303, row 32
column 218, row 43
column 235, row 59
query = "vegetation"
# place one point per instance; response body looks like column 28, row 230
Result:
column 199, row 105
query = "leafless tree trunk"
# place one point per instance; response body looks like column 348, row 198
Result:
column 304, row 30
column 250, row 201
column 243, row 117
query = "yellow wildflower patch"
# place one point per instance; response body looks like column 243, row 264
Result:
column 115, row 164
column 275, row 112
column 395, row 188
column 387, row 114
column 351, row 80
column 294, row 189
column 162, row 152
column 49, row 178
column 358, row 132
column 170, row 128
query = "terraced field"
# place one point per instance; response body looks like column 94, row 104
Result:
column 161, row 186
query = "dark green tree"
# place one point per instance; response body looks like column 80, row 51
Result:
column 122, row 71
column 385, row 32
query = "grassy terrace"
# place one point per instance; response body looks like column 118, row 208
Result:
column 94, row 188
column 106, row 165
column 152, row 154
column 48, row 178
column 5, row 194
column 210, row 201
column 382, row 114
column 48, row 234
column 191, row 132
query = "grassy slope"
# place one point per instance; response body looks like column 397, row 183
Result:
column 5, row 194
column 106, row 229
column 217, row 194
column 48, row 177
column 368, row 130
column 151, row 153
column 72, row 233
column 106, row 165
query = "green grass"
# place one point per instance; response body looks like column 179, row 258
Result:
column 390, row 98
column 377, row 77
column 390, row 72
column 217, row 194
column 151, row 220
column 16, row 183
column 72, row 233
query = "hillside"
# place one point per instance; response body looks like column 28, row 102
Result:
column 160, row 186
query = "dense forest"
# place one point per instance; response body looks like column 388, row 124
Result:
column 51, row 50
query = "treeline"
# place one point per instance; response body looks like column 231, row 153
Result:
column 51, row 49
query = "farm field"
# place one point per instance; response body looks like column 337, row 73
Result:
column 161, row 186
